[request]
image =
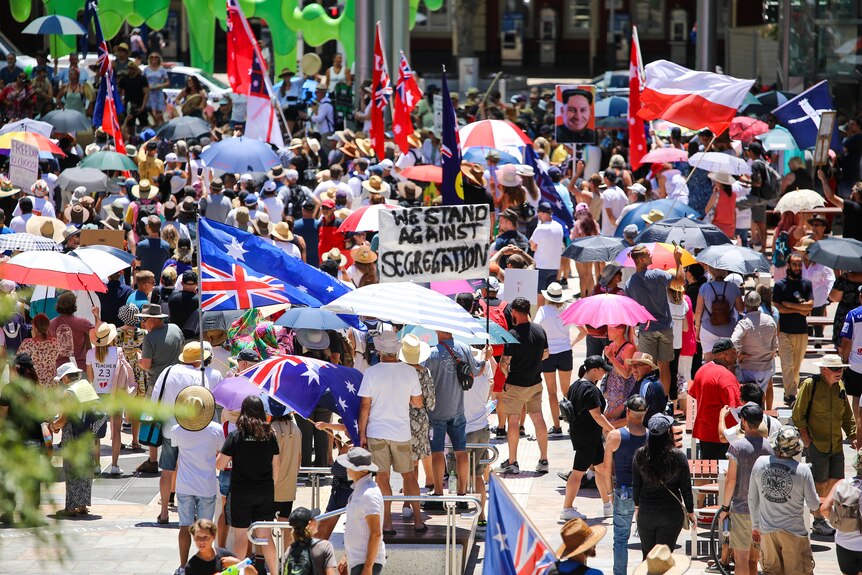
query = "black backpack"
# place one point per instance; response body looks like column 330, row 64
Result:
column 144, row 211
column 294, row 199
column 770, row 187
column 299, row 559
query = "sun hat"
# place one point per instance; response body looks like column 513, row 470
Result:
column 414, row 140
column 192, row 352
column 641, row 357
column 6, row 188
column 76, row 214
column 281, row 231
column 46, row 227
column 610, row 270
column 67, row 368
column 788, row 442
column 364, row 147
column 127, row 314
column 659, row 423
column 508, row 176
column 322, row 176
column 413, row 350
column 376, row 185
column 831, row 360
column 492, row 284
column 474, row 173
column 144, row 190
column 578, row 536
column 805, row 244
column 525, row 171
column 276, row 172
column 261, row 224
column 653, row 216
column 313, row 338
column 152, row 310
column 660, row 561
column 357, row 459
column 630, row 231
column 387, row 342
column 637, row 188
column 313, row 144
column 105, row 334
column 335, row 255
column 554, row 292
column 722, row 178
column 301, row 516
column 195, row 407
column 363, row 254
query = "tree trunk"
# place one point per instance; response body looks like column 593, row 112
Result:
column 465, row 10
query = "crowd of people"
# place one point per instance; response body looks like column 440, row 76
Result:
column 708, row 356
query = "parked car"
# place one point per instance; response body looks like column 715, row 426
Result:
column 178, row 76
column 614, row 83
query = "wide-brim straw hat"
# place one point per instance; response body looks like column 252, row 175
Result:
column 364, row 147
column 281, row 231
column 105, row 334
column 363, row 254
column 335, row 255
column 144, row 190
column 722, row 178
column 192, row 353
column 640, row 357
column 578, row 536
column 660, row 561
column 46, row 227
column 196, row 407
column 413, row 350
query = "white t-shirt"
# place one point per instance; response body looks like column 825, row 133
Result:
column 390, row 386
column 743, row 215
column 548, row 317
column 180, row 376
column 104, row 372
column 476, row 400
column 548, row 237
column 274, row 207
column 676, row 186
column 41, row 207
column 615, row 200
column 196, row 469
column 289, row 248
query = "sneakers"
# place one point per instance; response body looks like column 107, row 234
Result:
column 822, row 527
column 555, row 431
column 608, row 509
column 115, row 470
column 148, row 467
column 507, row 467
column 569, row 513
column 501, row 433
column 407, row 512
column 97, row 470
column 542, row 466
column 563, row 476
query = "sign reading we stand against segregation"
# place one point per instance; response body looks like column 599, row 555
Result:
column 434, row 244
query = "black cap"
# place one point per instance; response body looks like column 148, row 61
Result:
column 636, row 403
column 247, row 354
column 23, row 360
column 190, row 276
column 545, row 206
column 152, row 145
column 301, row 516
column 308, row 205
column 597, row 361
column 721, row 345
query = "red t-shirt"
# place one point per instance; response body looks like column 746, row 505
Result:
column 713, row 388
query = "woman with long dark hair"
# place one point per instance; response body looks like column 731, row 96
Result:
column 661, row 486
column 253, row 449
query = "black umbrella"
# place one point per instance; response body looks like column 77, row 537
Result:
column 691, row 234
column 67, row 121
column 837, row 253
column 184, row 128
column 594, row 249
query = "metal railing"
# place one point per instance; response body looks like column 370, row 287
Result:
column 495, row 455
column 449, row 503
column 314, row 474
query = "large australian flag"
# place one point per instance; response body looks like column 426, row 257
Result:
column 801, row 116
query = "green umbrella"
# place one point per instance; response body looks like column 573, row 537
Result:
column 105, row 161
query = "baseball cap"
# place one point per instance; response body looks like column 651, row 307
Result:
column 301, row 516
column 596, row 361
column 172, row 157
column 659, row 424
column 251, row 200
column 723, row 344
column 554, row 171
column 630, row 231
column 328, row 204
column 247, row 354
column 492, row 284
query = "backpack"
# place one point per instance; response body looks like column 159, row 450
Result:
column 781, row 250
column 568, row 412
column 497, row 314
column 720, row 312
column 144, row 211
column 770, row 187
column 845, row 515
column 15, row 330
column 294, row 199
column 299, row 559
column 347, row 351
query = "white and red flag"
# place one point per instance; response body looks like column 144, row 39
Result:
column 407, row 95
column 691, row 98
column 637, row 136
column 381, row 90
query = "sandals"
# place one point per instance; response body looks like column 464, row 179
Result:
column 162, row 521
column 66, row 514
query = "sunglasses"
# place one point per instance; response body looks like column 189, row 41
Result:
column 835, row 369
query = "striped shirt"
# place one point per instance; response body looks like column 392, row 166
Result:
column 756, row 336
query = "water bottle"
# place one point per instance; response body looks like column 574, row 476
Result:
column 491, row 406
column 237, row 569
column 453, row 482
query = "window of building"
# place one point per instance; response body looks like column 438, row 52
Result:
column 650, row 18
column 434, row 20
column 577, row 18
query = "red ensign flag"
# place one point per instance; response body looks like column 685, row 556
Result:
column 407, row 95
column 382, row 91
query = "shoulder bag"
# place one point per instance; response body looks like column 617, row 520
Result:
column 150, row 433
column 462, row 369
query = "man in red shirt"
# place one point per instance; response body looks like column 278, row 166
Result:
column 328, row 224
column 714, row 386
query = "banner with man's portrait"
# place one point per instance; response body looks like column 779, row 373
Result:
column 575, row 118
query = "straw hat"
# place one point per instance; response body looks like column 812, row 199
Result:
column 105, row 334
column 640, row 357
column 376, row 185
column 262, row 225
column 192, row 352
column 322, row 176
column 281, row 231
column 313, row 144
column 363, row 254
column 241, row 217
column 804, row 244
column 189, row 205
column 414, row 140
column 413, row 350
column 6, row 189
column 508, row 176
column 722, row 178
column 525, row 171
column 76, row 214
column 660, row 561
column 554, row 292
column 364, row 147
column 404, row 187
column 295, row 144
column 335, row 255
column 474, row 173
column 312, row 338
column 46, row 227
column 144, row 191
column 653, row 216
column 578, row 537
column 196, row 407
column 276, row 172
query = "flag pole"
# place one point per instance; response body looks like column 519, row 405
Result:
column 200, row 296
column 642, row 74
column 696, row 164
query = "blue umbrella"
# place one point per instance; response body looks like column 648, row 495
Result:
column 477, row 154
column 240, row 155
column 311, row 318
column 55, row 24
column 670, row 209
column 498, row 335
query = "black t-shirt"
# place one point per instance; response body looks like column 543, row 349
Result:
column 252, row 461
column 585, row 395
column 852, row 220
column 13, row 397
column 197, row 566
column 133, row 89
column 182, row 305
column 525, row 369
column 793, row 291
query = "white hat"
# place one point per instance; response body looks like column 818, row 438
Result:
column 386, row 164
column 637, row 188
column 831, row 360
column 508, row 176
column 722, row 178
column 246, row 178
column 269, row 186
column 526, row 171
column 172, row 157
column 387, row 342
column 413, row 350
column 66, row 369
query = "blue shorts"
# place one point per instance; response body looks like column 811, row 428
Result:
column 546, row 278
column 168, row 455
column 224, row 482
column 193, row 507
column 455, row 428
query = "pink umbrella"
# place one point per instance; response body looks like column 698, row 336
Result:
column 365, row 219
column 745, row 128
column 606, row 309
column 424, row 173
column 665, row 156
column 493, row 134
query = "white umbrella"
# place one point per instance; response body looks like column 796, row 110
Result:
column 409, row 304
column 799, row 201
column 28, row 125
column 720, row 162
column 365, row 219
column 105, row 261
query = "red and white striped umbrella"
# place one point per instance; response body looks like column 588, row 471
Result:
column 493, row 134
column 665, row 156
column 365, row 219
column 51, row 269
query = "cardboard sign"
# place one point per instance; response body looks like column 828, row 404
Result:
column 434, row 244
column 824, row 138
column 522, row 283
column 113, row 238
column 23, row 164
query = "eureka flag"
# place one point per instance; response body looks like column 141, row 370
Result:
column 801, row 116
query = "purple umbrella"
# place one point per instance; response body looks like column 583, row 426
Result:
column 230, row 392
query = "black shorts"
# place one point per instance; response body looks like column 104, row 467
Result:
column 558, row 362
column 546, row 278
column 850, row 562
column 248, row 506
column 283, row 508
column 825, row 466
column 853, row 382
column 338, row 498
column 588, row 454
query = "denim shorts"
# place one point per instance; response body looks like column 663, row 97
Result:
column 224, row 482
column 168, row 455
column 194, row 507
column 455, row 428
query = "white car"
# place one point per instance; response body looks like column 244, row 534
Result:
column 612, row 83
column 178, row 76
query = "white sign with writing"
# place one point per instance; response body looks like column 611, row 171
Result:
column 434, row 244
column 521, row 283
column 23, row 164
column 438, row 112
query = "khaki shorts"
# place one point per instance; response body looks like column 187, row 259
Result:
column 479, row 436
column 740, row 531
column 515, row 397
column 786, row 553
column 387, row 454
column 659, row 344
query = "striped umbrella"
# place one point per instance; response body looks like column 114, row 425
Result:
column 365, row 219
column 55, row 24
column 27, row 243
column 493, row 134
column 409, row 304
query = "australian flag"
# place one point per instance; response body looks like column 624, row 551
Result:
column 801, row 116
column 513, row 546
column 301, row 383
column 452, row 187
column 547, row 189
